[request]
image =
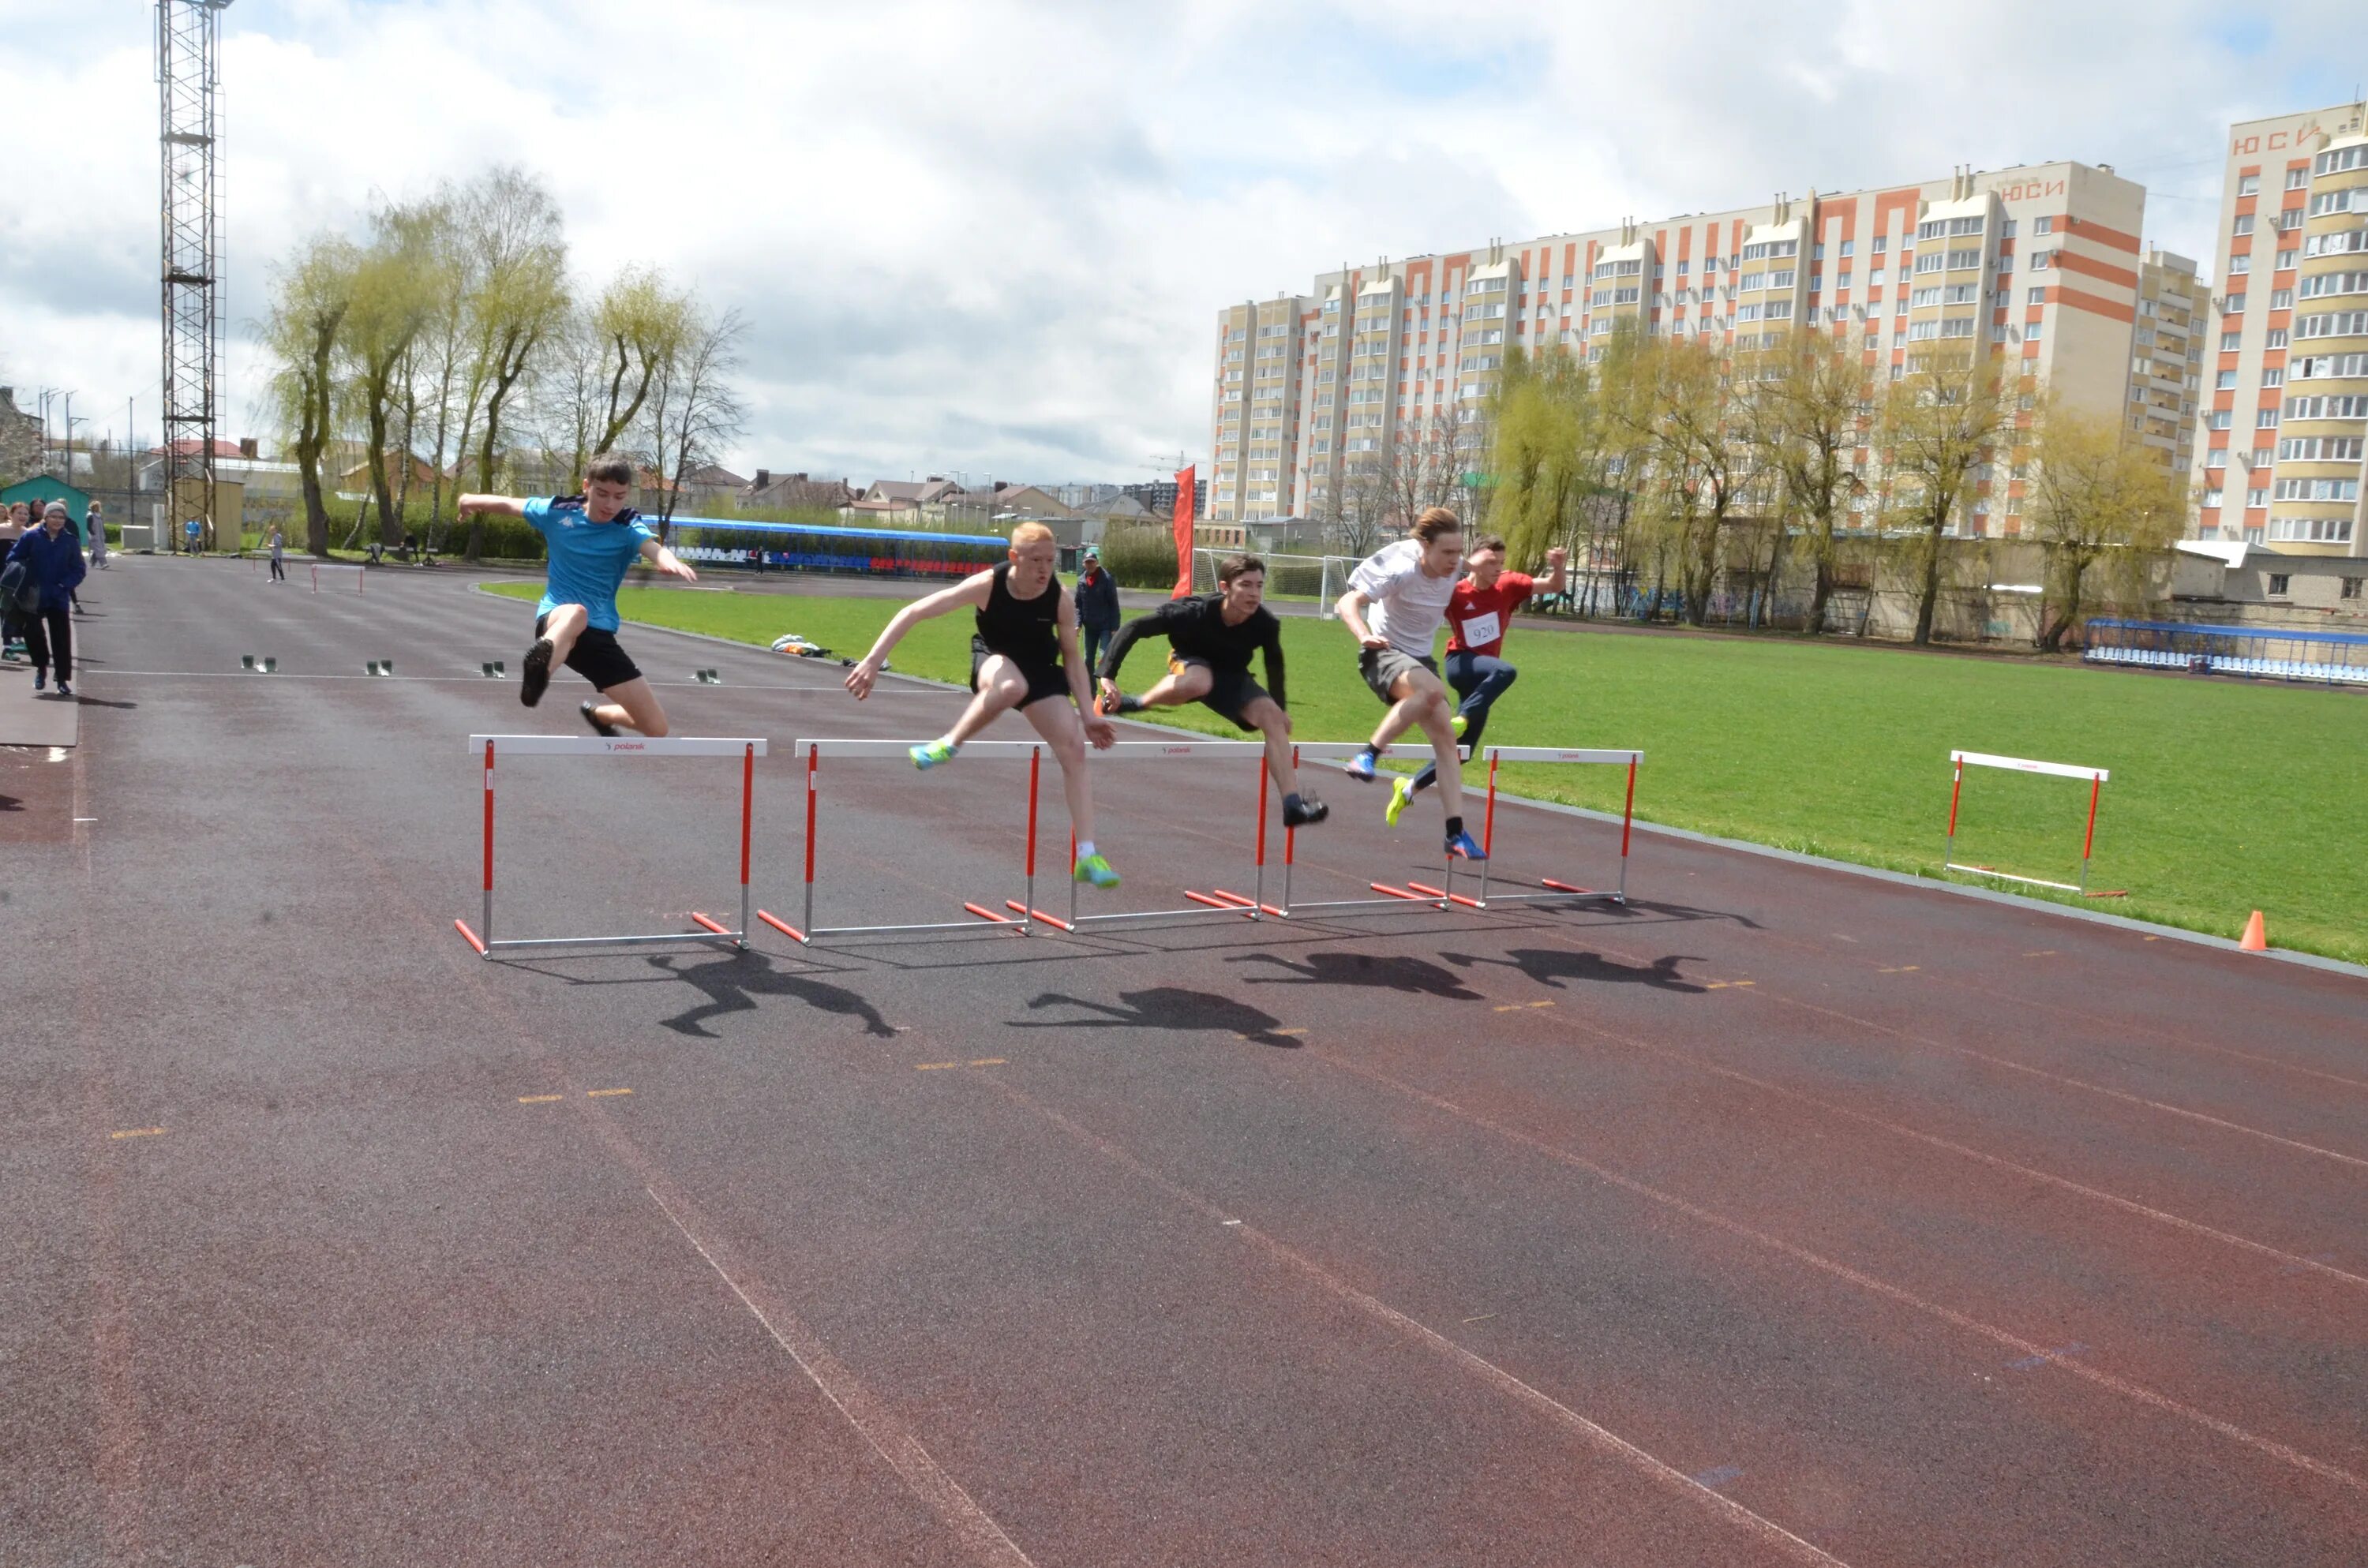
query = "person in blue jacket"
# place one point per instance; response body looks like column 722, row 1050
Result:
column 51, row 556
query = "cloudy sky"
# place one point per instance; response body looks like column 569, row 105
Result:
column 990, row 236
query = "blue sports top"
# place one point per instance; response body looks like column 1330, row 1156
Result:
column 587, row 559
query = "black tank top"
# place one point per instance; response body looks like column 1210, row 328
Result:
column 1025, row 630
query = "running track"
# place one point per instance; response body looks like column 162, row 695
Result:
column 1786, row 1217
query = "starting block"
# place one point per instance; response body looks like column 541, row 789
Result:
column 381, row 666
column 617, row 747
column 706, row 677
column 269, row 667
column 494, row 670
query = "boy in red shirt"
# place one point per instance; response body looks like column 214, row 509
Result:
column 1478, row 619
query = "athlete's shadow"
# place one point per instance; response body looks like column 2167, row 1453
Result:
column 1418, row 977
column 1550, row 966
column 1164, row 1008
column 732, row 985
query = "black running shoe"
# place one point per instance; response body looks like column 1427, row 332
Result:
column 591, row 711
column 535, row 677
column 1306, row 813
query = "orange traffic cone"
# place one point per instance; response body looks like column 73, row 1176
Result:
column 2256, row 939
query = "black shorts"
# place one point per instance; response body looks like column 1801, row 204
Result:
column 1044, row 680
column 1230, row 691
column 597, row 657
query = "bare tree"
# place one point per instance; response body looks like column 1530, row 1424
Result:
column 1366, row 494
column 1938, row 426
column 693, row 408
column 1428, row 462
column 1807, row 413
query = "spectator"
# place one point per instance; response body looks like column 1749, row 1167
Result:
column 1097, row 607
column 51, row 556
column 14, row 521
column 94, row 535
column 193, row 534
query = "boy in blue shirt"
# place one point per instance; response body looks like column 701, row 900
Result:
column 593, row 538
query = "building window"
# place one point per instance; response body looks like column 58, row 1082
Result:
column 2276, row 339
column 2212, row 498
column 2239, row 264
column 2042, row 225
column 2249, row 184
column 2256, row 496
column 2278, row 584
column 2297, row 178
column 2244, row 225
column 2231, row 341
column 2236, row 306
column 2350, row 587
column 2219, row 419
column 2227, row 379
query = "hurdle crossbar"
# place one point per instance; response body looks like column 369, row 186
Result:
column 361, row 576
column 711, row 930
column 1960, row 760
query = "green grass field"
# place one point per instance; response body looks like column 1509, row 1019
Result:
column 2226, row 797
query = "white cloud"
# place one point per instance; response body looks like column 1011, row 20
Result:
column 994, row 236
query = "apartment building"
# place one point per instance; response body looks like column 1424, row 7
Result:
column 2167, row 357
column 2043, row 262
column 2280, row 464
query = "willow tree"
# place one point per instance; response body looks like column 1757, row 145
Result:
column 1808, row 419
column 2096, row 497
column 511, row 225
column 397, row 280
column 311, row 295
column 1938, row 427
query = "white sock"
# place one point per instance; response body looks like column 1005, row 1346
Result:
column 1085, row 849
column 950, row 742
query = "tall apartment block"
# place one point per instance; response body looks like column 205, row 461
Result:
column 2043, row 262
column 2281, row 462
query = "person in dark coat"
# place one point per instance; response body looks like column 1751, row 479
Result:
column 1097, row 611
column 51, row 556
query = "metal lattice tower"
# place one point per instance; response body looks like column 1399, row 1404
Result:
column 188, row 68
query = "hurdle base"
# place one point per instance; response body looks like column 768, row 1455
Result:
column 471, row 938
column 1427, row 889
column 1053, row 921
column 2027, row 881
column 661, row 938
column 783, row 926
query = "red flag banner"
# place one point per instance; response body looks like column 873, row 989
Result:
column 1185, row 487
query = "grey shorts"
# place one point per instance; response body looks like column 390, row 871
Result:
column 1383, row 666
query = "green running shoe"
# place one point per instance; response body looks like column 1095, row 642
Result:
column 928, row 757
column 1459, row 724
column 1401, row 794
column 1095, row 869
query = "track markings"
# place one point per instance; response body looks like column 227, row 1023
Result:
column 1727, row 984
column 2042, row 953
column 1718, row 1476
column 139, row 1132
column 2033, row 1363
column 1290, row 1031
column 973, row 1062
column 1901, row 969
column 1524, row 1007
column 604, row 1094
column 539, row 1099
column 554, row 1099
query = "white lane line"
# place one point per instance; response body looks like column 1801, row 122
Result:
column 886, row 1434
column 1602, row 1439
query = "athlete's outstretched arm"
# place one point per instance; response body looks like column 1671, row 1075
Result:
column 971, row 592
column 1558, row 578
column 666, row 561
column 499, row 505
column 1153, row 625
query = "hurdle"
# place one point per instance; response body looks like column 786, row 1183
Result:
column 1615, row 756
column 1960, row 760
column 321, row 567
column 712, row 931
column 1021, row 914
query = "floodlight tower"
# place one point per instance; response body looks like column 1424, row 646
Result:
column 188, row 68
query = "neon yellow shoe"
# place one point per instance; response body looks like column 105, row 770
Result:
column 1459, row 724
column 1401, row 794
column 1095, row 869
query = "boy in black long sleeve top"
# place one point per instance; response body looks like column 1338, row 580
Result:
column 1210, row 638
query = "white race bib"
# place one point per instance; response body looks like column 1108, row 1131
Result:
column 1482, row 629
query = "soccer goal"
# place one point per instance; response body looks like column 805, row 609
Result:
column 1320, row 577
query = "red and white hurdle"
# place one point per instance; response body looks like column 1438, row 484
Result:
column 616, row 748
column 1960, row 760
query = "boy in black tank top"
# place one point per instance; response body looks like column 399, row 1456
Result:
column 1023, row 652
